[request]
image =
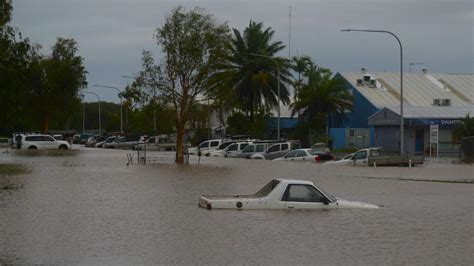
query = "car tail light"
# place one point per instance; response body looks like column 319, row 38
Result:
column 332, row 157
column 317, row 158
column 209, row 205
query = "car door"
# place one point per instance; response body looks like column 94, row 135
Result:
column 301, row 156
column 48, row 142
column 231, row 149
column 360, row 158
column 203, row 146
column 304, row 197
column 272, row 152
column 290, row 156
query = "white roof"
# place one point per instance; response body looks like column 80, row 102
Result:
column 439, row 112
column 419, row 89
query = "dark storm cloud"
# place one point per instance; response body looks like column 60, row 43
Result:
column 112, row 34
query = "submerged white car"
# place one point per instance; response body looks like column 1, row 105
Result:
column 282, row 194
column 346, row 160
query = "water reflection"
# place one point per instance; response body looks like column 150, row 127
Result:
column 89, row 207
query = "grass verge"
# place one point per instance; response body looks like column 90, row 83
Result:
column 8, row 170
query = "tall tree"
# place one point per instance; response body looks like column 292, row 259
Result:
column 320, row 96
column 254, row 78
column 301, row 65
column 56, row 83
column 16, row 54
column 193, row 44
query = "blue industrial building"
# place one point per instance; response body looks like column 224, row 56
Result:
column 428, row 99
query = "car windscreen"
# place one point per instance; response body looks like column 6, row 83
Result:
column 224, row 145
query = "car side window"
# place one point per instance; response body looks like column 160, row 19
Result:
column 249, row 149
column 48, row 138
column 302, row 193
column 232, row 147
column 301, row 154
column 204, row 144
column 284, row 146
column 291, row 154
column 260, row 148
column 243, row 145
column 360, row 155
column 274, row 148
column 214, row 143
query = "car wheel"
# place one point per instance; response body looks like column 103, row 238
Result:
column 63, row 147
column 32, row 148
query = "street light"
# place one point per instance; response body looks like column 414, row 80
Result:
column 90, row 92
column 278, row 90
column 401, row 81
column 83, row 114
column 121, row 103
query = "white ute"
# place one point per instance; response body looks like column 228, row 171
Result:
column 282, row 194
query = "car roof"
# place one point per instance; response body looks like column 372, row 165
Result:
column 295, row 181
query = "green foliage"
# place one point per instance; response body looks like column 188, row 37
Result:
column 56, row 82
column 319, row 96
column 466, row 128
column 254, row 79
column 193, row 45
column 36, row 91
column 240, row 124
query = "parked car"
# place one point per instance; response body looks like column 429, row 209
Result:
column 346, row 160
column 157, row 143
column 206, row 146
column 93, row 140
column 41, row 142
column 307, row 155
column 250, row 150
column 376, row 156
column 282, row 194
column 221, row 150
column 108, row 140
column 123, row 142
column 277, row 150
column 236, row 148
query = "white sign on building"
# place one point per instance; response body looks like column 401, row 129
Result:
column 434, row 138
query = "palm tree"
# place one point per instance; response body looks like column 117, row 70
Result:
column 301, row 65
column 320, row 96
column 253, row 79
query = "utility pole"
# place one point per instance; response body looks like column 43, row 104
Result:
column 401, row 81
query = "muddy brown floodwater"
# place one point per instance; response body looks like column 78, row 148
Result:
column 88, row 207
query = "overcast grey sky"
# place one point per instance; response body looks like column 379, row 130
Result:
column 112, row 34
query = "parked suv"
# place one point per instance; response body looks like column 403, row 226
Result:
column 206, row 146
column 40, row 142
column 250, row 150
column 277, row 150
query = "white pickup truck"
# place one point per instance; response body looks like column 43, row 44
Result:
column 377, row 157
column 282, row 194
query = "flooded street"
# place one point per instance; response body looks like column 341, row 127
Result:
column 88, row 207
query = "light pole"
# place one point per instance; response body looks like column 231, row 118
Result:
column 401, row 81
column 121, row 103
column 278, row 89
column 90, row 92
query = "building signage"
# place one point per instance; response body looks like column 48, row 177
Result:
column 445, row 122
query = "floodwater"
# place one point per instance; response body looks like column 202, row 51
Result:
column 88, row 207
